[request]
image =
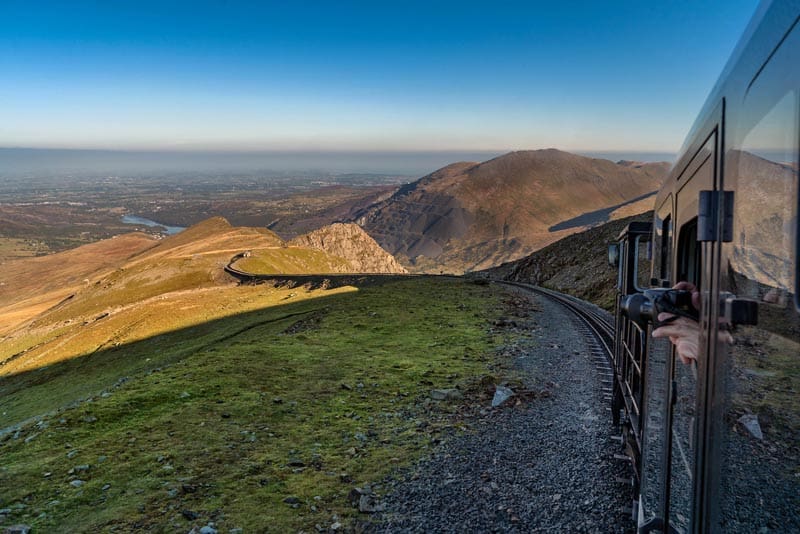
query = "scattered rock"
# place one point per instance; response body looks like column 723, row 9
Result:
column 354, row 496
column 501, row 396
column 89, row 419
column 77, row 483
column 446, row 394
column 750, row 423
column 17, row 529
column 277, row 400
column 72, row 453
column 189, row 515
column 368, row 504
column 208, row 530
column 294, row 502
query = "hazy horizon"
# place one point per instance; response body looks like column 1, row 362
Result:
column 21, row 160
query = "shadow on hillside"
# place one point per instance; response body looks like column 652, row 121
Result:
column 28, row 394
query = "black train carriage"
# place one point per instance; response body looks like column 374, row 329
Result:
column 716, row 442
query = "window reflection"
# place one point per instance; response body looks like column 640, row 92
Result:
column 760, row 489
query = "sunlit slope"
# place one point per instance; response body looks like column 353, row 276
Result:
column 336, row 248
column 292, row 260
column 31, row 285
column 234, row 420
column 179, row 282
column 190, row 260
column 476, row 215
column 214, row 236
column 351, row 242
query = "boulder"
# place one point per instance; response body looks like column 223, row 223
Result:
column 501, row 395
column 750, row 423
column 446, row 394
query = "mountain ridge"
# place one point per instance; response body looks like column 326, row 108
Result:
column 469, row 216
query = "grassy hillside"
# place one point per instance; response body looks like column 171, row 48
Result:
column 30, row 286
column 41, row 297
column 262, row 419
column 292, row 260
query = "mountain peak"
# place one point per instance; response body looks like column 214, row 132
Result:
column 469, row 216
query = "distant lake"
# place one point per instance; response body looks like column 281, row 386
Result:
column 133, row 219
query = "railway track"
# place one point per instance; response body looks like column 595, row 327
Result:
column 596, row 320
column 594, row 324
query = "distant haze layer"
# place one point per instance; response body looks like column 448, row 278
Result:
column 34, row 160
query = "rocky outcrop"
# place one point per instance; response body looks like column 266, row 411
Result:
column 350, row 242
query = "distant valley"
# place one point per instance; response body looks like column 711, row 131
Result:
column 463, row 217
column 52, row 213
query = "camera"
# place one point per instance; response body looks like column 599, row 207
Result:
column 643, row 308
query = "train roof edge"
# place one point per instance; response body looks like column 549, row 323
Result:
column 636, row 227
column 734, row 77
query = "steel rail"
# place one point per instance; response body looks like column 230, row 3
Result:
column 600, row 326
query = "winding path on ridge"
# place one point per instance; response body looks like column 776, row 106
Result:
column 544, row 466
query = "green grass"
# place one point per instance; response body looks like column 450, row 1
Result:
column 292, row 260
column 770, row 389
column 336, row 383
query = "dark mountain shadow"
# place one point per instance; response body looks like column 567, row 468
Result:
column 597, row 217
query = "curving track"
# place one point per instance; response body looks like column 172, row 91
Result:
column 596, row 326
column 596, row 320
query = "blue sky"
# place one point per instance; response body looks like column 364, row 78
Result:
column 229, row 75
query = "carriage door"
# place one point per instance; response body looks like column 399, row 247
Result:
column 695, row 250
column 754, row 466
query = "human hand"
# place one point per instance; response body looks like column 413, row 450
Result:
column 684, row 333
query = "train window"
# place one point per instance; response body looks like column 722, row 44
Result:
column 759, row 365
column 689, row 254
column 662, row 242
column 765, row 255
column 666, row 246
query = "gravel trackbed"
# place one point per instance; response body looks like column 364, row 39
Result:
column 546, row 465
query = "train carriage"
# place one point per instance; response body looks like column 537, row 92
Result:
column 715, row 442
